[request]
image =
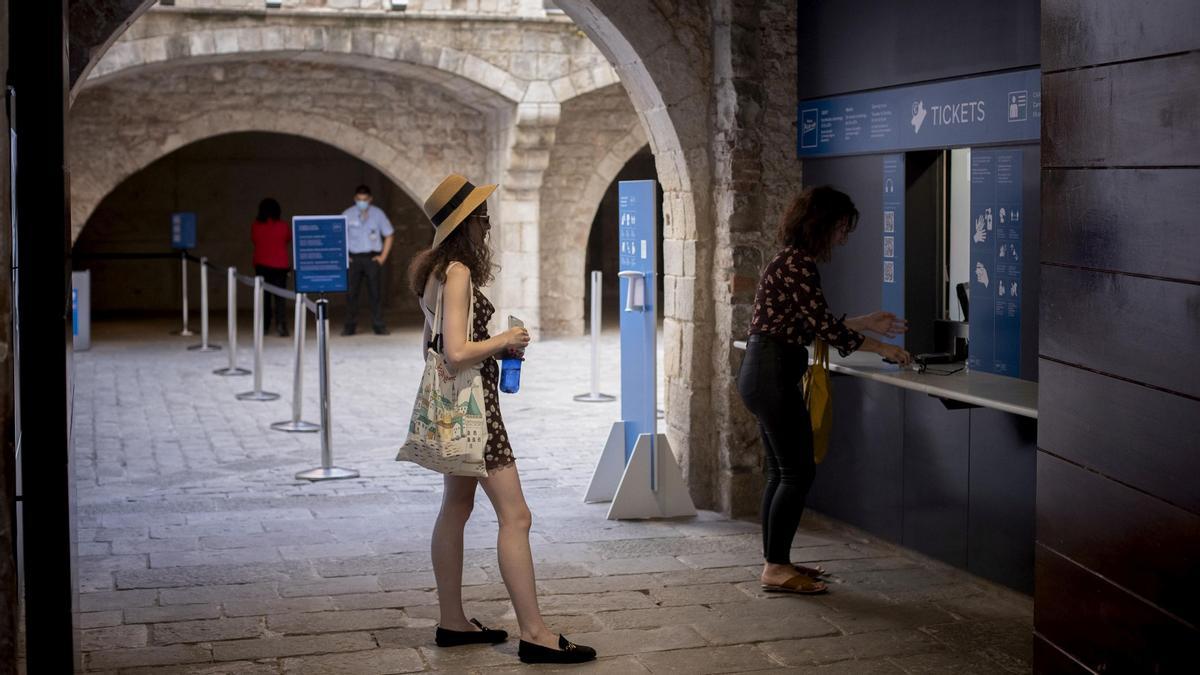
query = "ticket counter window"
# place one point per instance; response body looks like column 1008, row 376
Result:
column 938, row 249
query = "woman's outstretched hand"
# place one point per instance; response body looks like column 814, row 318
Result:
column 885, row 324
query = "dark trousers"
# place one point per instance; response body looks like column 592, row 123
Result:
column 272, row 304
column 363, row 267
column 769, row 383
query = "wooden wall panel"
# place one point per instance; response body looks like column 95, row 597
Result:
column 1142, row 329
column 1128, row 432
column 1134, row 540
column 1001, row 497
column 1139, row 221
column 936, row 464
column 1085, row 32
column 1104, row 627
column 1130, row 114
column 861, row 479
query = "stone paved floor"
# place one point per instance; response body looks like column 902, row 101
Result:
column 199, row 553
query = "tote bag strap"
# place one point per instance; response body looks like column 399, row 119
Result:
column 437, row 338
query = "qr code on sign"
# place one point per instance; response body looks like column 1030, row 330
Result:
column 889, row 247
column 889, row 272
column 889, row 221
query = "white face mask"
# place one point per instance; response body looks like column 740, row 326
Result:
column 362, row 204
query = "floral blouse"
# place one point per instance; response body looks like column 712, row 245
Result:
column 789, row 304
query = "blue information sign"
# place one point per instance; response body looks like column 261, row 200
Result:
column 183, row 230
column 637, row 222
column 893, row 238
column 997, row 220
column 320, row 253
column 983, row 110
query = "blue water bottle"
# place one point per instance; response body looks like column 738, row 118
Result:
column 510, row 367
column 510, row 375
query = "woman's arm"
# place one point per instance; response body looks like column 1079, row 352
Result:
column 881, row 323
column 459, row 351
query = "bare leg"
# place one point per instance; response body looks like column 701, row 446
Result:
column 446, row 547
column 503, row 488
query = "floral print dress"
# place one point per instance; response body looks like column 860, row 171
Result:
column 790, row 305
column 498, row 454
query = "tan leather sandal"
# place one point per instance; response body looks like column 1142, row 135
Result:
column 814, row 571
column 801, row 584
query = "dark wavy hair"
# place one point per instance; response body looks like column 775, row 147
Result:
column 811, row 223
column 457, row 247
column 268, row 209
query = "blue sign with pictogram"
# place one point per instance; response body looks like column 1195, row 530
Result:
column 637, row 204
column 183, row 230
column 990, row 109
column 893, row 239
column 319, row 253
column 997, row 224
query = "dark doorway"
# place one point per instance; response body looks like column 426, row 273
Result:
column 222, row 179
column 602, row 247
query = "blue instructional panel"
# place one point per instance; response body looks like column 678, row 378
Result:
column 893, row 239
column 320, row 253
column 637, row 222
column 996, row 286
column 982, row 110
column 183, row 230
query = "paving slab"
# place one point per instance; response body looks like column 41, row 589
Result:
column 195, row 532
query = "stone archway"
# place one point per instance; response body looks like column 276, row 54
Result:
column 121, row 127
column 597, row 134
column 697, row 74
column 665, row 73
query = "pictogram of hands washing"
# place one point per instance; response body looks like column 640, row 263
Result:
column 980, row 230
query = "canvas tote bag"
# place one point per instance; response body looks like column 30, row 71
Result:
column 448, row 429
column 817, row 394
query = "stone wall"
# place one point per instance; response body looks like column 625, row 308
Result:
column 597, row 134
column 413, row 132
column 713, row 86
column 222, row 179
column 513, row 70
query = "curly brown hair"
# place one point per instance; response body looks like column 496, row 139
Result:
column 811, row 223
column 457, row 247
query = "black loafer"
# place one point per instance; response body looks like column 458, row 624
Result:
column 456, row 638
column 567, row 652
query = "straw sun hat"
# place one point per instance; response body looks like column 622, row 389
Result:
column 451, row 202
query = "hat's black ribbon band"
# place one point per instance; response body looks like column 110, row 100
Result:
column 455, row 202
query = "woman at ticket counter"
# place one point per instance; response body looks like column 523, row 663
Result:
column 789, row 313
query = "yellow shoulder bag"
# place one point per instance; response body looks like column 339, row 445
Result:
column 818, row 397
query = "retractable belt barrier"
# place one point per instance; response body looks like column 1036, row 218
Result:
column 319, row 308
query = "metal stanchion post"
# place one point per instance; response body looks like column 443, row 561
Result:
column 594, row 396
column 183, row 265
column 301, row 326
column 204, row 346
column 327, row 470
column 231, row 314
column 258, row 394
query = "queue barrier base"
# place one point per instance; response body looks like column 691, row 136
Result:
column 639, row 498
column 326, row 473
column 609, row 469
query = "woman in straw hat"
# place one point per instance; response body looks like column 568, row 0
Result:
column 461, row 259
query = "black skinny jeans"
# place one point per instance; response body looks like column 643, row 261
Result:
column 769, row 383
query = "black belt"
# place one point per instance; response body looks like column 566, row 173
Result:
column 775, row 339
column 370, row 253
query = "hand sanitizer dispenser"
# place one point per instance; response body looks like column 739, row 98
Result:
column 635, row 299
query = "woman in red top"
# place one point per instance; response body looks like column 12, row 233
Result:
column 272, row 259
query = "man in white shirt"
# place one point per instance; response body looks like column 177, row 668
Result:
column 369, row 240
